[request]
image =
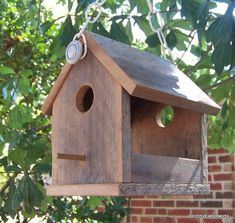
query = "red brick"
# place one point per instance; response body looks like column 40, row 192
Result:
column 212, row 204
column 224, row 195
column 203, row 196
column 163, row 220
column 202, row 212
column 214, row 168
column 188, row 220
column 151, row 211
column 212, row 221
column 225, row 212
column 141, row 203
column 178, row 212
column 225, row 176
column 216, row 151
column 225, row 159
column 146, row 219
column 163, row 203
column 187, row 204
column 136, row 210
column 162, row 211
column 209, row 177
column 211, row 159
column 216, row 186
column 133, row 219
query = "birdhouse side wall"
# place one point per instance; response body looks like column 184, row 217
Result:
column 181, row 138
column 96, row 133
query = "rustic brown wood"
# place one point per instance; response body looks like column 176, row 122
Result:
column 126, row 189
column 204, row 149
column 126, row 136
column 158, row 169
column 47, row 106
column 182, row 138
column 71, row 157
column 96, row 133
column 155, row 78
column 83, row 190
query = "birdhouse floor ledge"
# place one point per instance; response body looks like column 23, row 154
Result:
column 126, row 189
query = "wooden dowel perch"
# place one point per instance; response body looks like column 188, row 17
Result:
column 71, row 157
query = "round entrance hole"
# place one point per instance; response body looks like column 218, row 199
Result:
column 165, row 116
column 84, row 98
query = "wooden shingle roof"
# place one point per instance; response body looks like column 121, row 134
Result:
column 142, row 75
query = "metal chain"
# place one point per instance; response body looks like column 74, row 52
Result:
column 159, row 31
column 77, row 49
column 96, row 6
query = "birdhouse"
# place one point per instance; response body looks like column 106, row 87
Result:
column 107, row 133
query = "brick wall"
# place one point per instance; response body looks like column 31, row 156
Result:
column 217, row 207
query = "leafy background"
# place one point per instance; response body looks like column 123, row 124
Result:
column 32, row 46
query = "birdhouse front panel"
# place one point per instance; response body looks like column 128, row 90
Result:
column 86, row 127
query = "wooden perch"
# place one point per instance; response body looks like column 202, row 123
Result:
column 71, row 157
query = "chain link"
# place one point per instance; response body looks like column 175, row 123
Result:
column 97, row 7
column 159, row 31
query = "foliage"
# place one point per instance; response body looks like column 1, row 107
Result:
column 32, row 52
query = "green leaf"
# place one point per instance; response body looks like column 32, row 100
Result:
column 99, row 29
column 6, row 70
column 17, row 156
column 180, row 23
column 142, row 6
column 143, row 24
column 152, row 41
column 44, row 27
column 171, row 39
column 24, row 85
column 67, row 32
column 117, row 32
column 94, row 202
column 129, row 31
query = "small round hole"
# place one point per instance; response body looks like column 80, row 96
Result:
column 165, row 116
column 84, row 98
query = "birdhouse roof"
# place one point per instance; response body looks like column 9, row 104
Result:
column 142, row 75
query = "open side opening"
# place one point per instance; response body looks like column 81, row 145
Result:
column 164, row 147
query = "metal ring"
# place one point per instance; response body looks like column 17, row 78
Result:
column 98, row 9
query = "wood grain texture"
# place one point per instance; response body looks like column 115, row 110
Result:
column 48, row 103
column 182, row 138
column 83, row 190
column 160, row 169
column 96, row 133
column 126, row 189
column 126, row 136
column 155, row 78
column 204, row 148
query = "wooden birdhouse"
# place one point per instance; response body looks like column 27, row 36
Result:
column 107, row 136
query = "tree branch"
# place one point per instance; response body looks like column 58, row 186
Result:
column 220, row 83
column 7, row 184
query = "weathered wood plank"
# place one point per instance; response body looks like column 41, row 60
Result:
column 181, row 138
column 83, row 190
column 167, row 189
column 126, row 189
column 204, row 148
column 95, row 133
column 159, row 169
column 126, row 136
column 48, row 103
